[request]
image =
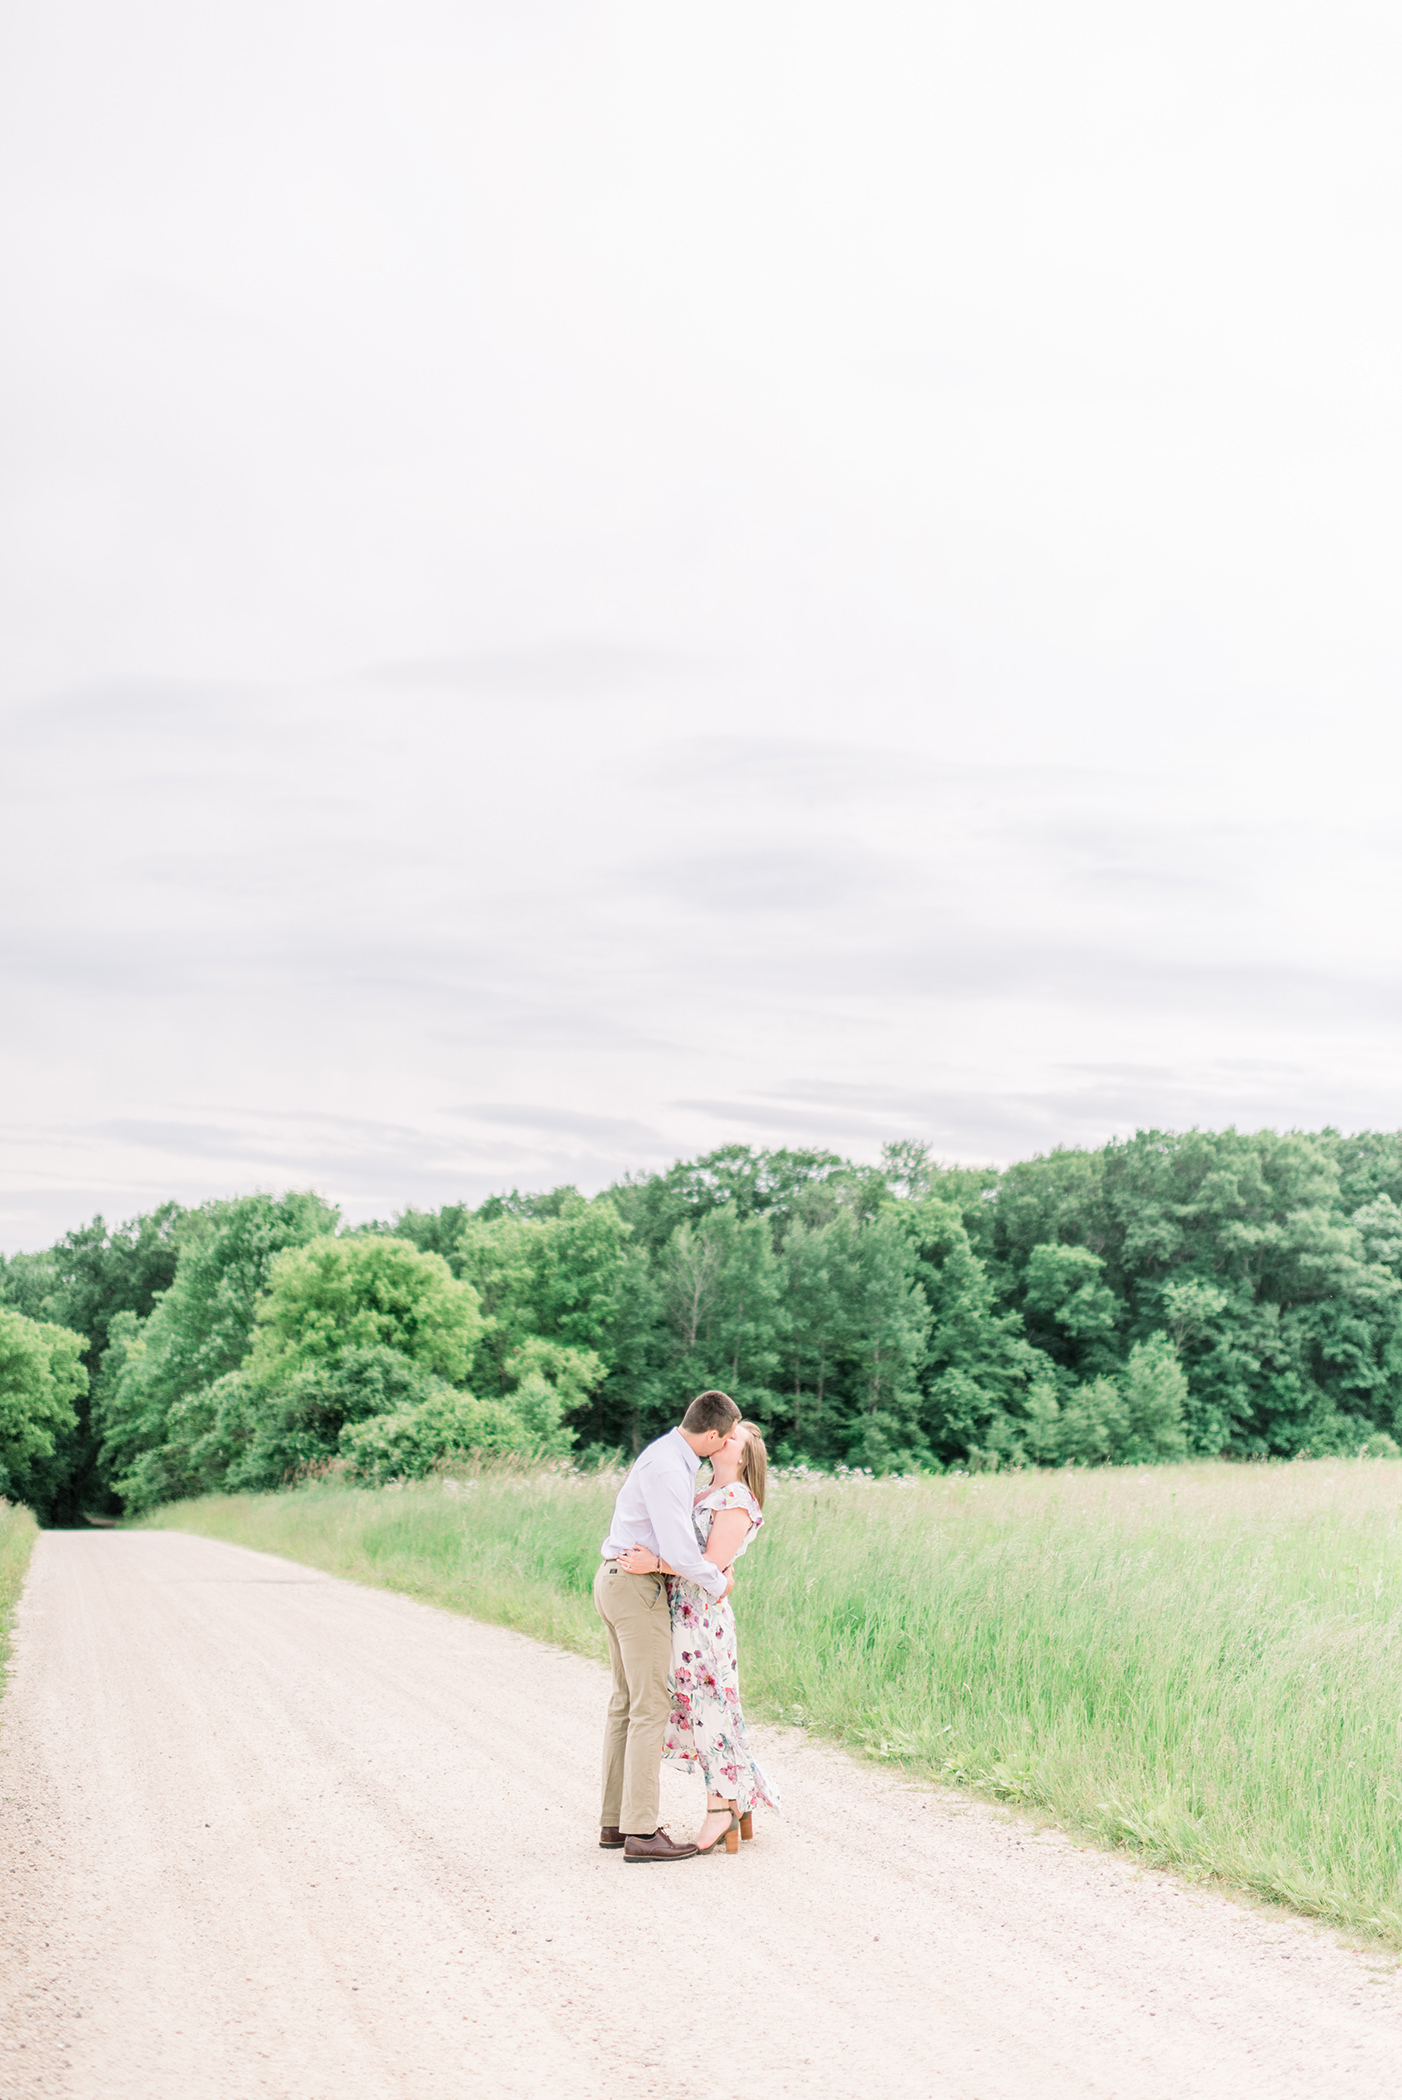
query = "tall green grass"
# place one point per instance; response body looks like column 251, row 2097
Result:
column 18, row 1531
column 1201, row 1662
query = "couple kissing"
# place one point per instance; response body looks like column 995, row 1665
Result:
column 663, row 1593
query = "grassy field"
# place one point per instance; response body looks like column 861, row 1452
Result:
column 1203, row 1662
column 18, row 1532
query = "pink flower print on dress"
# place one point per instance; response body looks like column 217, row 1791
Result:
column 706, row 1728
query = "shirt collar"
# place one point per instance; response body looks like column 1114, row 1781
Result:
column 693, row 1457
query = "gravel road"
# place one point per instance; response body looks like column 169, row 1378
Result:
column 268, row 1834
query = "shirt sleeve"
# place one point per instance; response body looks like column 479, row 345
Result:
column 667, row 1495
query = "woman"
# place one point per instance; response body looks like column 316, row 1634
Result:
column 706, row 1731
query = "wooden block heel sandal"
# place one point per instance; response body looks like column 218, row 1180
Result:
column 731, row 1836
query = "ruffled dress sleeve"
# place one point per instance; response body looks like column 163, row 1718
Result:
column 736, row 1496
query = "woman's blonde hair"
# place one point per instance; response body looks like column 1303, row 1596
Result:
column 754, row 1461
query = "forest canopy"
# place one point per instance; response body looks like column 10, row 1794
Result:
column 1173, row 1293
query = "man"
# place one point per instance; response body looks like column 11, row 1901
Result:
column 653, row 1510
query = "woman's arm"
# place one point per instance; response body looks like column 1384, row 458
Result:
column 729, row 1529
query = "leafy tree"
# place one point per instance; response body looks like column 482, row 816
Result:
column 1092, row 1426
column 347, row 1330
column 431, row 1231
column 887, row 1319
column 721, row 1298
column 1039, row 1431
column 1369, row 1166
column 780, row 1185
column 911, row 1172
column 199, row 1332
column 854, row 1334
column 373, row 1406
column 1135, row 1419
column 544, row 1203
column 1295, row 1347
column 275, row 1336
column 378, row 1410
column 1070, row 1311
column 41, row 1376
column 333, row 1296
column 265, row 1435
column 815, row 1258
column 83, row 1283
column 558, row 1277
column 411, row 1441
column 29, row 1283
column 1154, row 1391
column 640, row 1398
column 100, row 1272
column 1204, row 1290
column 979, row 1365
column 1059, row 1197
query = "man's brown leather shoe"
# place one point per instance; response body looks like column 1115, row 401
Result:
column 658, row 1846
column 611, row 1838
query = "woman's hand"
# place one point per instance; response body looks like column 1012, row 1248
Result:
column 638, row 1561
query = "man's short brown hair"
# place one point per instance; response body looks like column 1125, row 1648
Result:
column 709, row 1412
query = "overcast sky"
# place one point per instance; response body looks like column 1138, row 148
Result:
column 585, row 580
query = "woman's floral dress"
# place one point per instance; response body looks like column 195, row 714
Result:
column 706, row 1729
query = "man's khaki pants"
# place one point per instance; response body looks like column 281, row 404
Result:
column 635, row 1613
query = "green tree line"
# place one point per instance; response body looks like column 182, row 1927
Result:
column 1173, row 1293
